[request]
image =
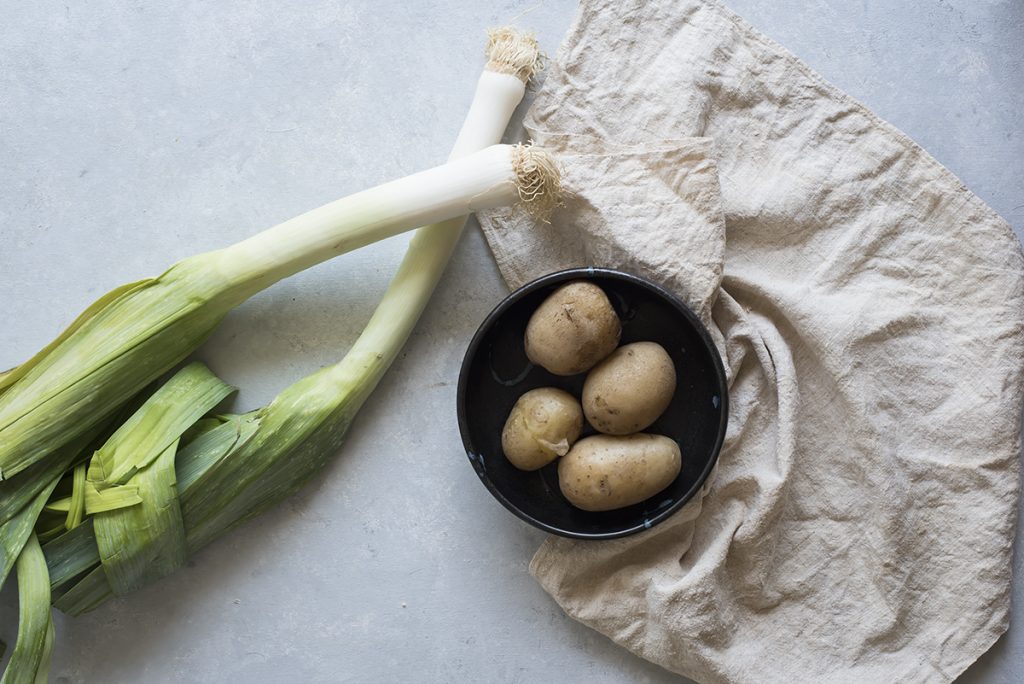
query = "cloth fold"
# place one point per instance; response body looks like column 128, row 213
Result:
column 637, row 207
column 868, row 310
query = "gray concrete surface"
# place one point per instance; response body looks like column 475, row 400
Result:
column 135, row 133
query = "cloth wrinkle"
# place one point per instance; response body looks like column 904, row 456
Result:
column 858, row 524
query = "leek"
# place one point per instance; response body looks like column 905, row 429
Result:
column 168, row 481
column 145, row 540
column 30, row 660
column 139, row 331
column 240, row 465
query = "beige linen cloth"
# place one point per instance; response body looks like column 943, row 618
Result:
column 868, row 308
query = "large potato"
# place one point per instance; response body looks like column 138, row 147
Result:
column 627, row 391
column 543, row 424
column 574, row 328
column 603, row 472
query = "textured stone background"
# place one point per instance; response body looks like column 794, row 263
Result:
column 136, row 133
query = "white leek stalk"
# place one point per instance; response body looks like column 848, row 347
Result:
column 513, row 58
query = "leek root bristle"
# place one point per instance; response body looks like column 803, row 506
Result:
column 512, row 52
column 538, row 181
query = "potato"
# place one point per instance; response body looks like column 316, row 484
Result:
column 627, row 391
column 602, row 472
column 543, row 425
column 574, row 328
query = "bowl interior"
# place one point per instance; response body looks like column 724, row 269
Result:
column 496, row 372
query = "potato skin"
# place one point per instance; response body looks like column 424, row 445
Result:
column 604, row 472
column 630, row 389
column 543, row 425
column 573, row 329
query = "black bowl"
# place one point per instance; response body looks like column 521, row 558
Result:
column 496, row 372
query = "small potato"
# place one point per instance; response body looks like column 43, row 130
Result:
column 574, row 328
column 627, row 391
column 543, row 425
column 601, row 473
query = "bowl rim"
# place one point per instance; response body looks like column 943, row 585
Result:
column 589, row 272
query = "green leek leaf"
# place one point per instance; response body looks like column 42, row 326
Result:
column 18, row 491
column 211, row 446
column 161, row 421
column 58, row 505
column 142, row 543
column 71, row 554
column 86, row 594
column 110, row 499
column 122, row 343
column 76, row 507
column 145, row 539
column 16, row 532
column 30, row 660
